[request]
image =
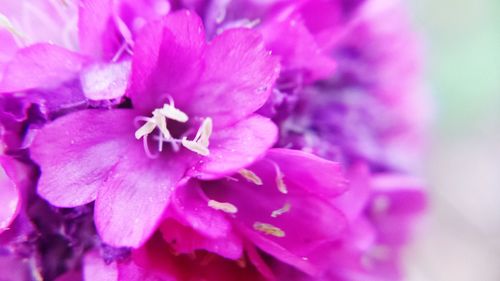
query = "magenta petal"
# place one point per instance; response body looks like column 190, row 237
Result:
column 185, row 240
column 167, row 60
column 9, row 200
column 136, row 192
column 105, row 81
column 297, row 48
column 190, row 205
column 237, row 79
column 84, row 147
column 40, row 66
column 235, row 147
column 310, row 222
column 95, row 269
column 309, row 171
column 96, row 30
column 355, row 199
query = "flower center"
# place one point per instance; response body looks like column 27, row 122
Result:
column 159, row 121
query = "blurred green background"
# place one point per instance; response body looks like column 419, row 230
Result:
column 461, row 237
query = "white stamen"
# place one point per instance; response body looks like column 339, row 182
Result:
column 145, row 129
column 173, row 113
column 201, row 141
column 204, row 132
column 250, row 176
column 195, row 147
column 161, row 122
column 281, row 211
column 269, row 229
column 223, row 206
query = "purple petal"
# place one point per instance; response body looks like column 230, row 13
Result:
column 134, row 196
column 167, row 60
column 40, row 66
column 237, row 79
column 297, row 48
column 105, row 81
column 355, row 199
column 237, row 146
column 186, row 240
column 9, row 200
column 312, row 173
column 191, row 208
column 77, row 152
column 96, row 30
column 310, row 221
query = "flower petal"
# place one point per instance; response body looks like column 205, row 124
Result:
column 237, row 79
column 236, row 147
column 105, row 81
column 96, row 30
column 297, row 48
column 185, row 240
column 167, row 60
column 40, row 66
column 310, row 221
column 77, row 152
column 309, row 171
column 9, row 200
column 191, row 208
column 136, row 192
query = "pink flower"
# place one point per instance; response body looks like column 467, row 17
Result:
column 193, row 104
column 282, row 204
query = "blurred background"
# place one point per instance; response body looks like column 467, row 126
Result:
column 461, row 240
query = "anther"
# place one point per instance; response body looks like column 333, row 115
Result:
column 269, row 229
column 250, row 176
column 223, row 206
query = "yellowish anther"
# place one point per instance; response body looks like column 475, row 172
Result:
column 223, row 206
column 171, row 112
column 250, row 176
column 281, row 210
column 269, row 229
column 280, row 183
column 145, row 129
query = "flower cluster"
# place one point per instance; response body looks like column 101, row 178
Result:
column 208, row 139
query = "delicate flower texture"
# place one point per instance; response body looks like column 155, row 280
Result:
column 261, row 140
column 192, row 116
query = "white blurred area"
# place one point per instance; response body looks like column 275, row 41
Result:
column 460, row 240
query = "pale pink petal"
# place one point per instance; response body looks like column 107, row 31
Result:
column 40, row 66
column 97, row 34
column 105, row 81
